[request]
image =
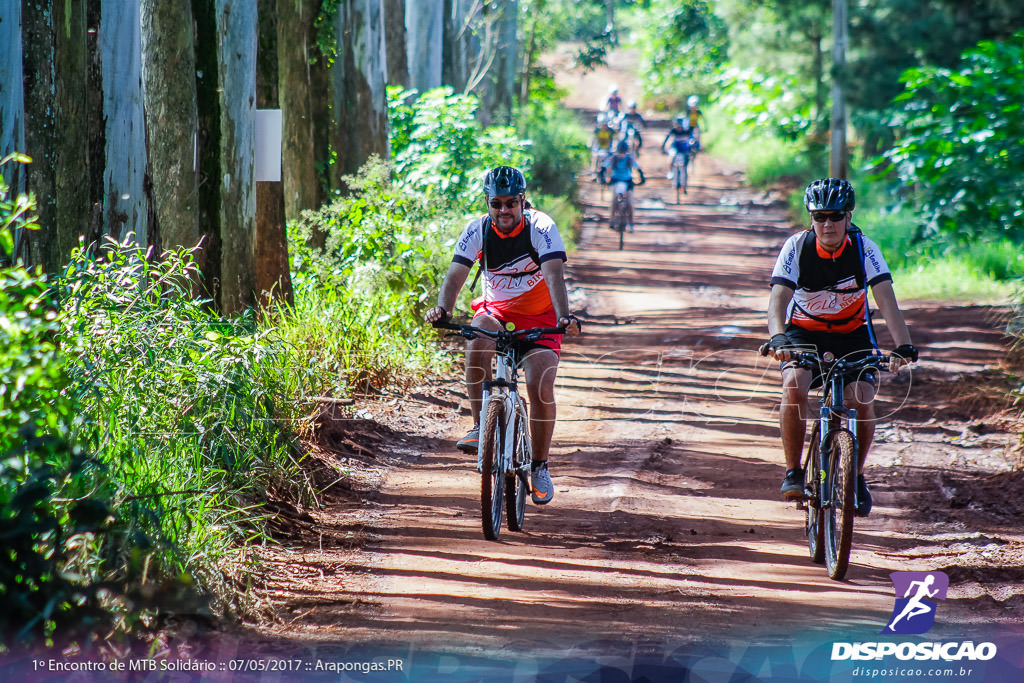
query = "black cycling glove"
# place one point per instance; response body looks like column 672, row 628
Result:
column 906, row 351
column 779, row 341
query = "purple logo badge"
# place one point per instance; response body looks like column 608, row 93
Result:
column 916, row 593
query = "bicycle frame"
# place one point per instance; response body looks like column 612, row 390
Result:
column 505, row 453
column 831, row 417
column 504, row 388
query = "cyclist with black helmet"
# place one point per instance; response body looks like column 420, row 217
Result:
column 618, row 172
column 819, row 300
column 633, row 120
column 522, row 259
column 680, row 135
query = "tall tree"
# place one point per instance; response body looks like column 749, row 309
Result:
column 358, row 80
column 207, row 84
column 424, row 24
column 169, row 96
column 456, row 44
column 72, row 120
column 12, row 95
column 272, row 275
column 125, row 208
column 237, row 31
column 394, row 38
column 296, row 57
column 40, row 130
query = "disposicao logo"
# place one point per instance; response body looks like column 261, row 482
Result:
column 914, row 613
column 916, row 593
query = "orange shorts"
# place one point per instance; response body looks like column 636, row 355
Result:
column 524, row 322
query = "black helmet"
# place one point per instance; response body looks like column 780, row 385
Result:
column 622, row 147
column 829, row 194
column 504, row 181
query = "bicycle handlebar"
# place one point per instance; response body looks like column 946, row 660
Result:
column 470, row 332
column 811, row 360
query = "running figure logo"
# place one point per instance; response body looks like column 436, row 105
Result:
column 914, row 612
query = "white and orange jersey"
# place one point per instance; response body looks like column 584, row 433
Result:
column 827, row 295
column 513, row 281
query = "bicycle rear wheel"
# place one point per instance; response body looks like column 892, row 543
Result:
column 492, row 473
column 839, row 516
column 517, row 482
column 814, row 525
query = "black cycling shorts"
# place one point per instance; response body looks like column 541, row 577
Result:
column 851, row 346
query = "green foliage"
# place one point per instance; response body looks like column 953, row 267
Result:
column 360, row 297
column 54, row 499
column 439, row 148
column 685, row 44
column 960, row 157
column 559, row 147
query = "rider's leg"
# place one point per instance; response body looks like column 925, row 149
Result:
column 541, row 366
column 793, row 412
column 479, row 352
column 861, row 397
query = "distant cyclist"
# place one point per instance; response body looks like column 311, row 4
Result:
column 601, row 142
column 695, row 118
column 522, row 257
column 819, row 301
column 632, row 120
column 618, row 172
column 612, row 103
column 680, row 141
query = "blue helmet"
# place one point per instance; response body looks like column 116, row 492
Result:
column 504, row 181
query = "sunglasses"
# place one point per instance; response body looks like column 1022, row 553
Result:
column 496, row 204
column 822, row 216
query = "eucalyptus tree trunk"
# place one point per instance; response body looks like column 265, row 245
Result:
column 169, row 98
column 207, row 83
column 295, row 49
column 37, row 38
column 358, row 80
column 12, row 105
column 272, row 276
column 424, row 25
column 455, row 57
column 237, row 32
column 506, row 63
column 71, row 178
column 395, row 40
column 125, row 209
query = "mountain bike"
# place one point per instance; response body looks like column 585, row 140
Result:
column 621, row 210
column 505, row 451
column 830, row 464
column 680, row 160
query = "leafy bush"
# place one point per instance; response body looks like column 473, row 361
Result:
column 960, row 156
column 54, row 498
column 441, row 151
column 558, row 144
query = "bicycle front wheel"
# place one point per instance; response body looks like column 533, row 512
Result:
column 517, row 481
column 492, row 473
column 814, row 526
column 839, row 517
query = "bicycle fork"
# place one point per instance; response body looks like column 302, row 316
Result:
column 828, row 418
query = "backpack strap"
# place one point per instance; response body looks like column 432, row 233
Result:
column 858, row 242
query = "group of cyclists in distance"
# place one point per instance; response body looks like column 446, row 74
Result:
column 617, row 141
column 818, row 299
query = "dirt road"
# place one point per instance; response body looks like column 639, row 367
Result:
column 666, row 527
